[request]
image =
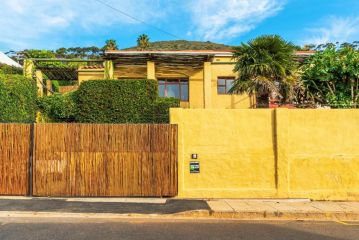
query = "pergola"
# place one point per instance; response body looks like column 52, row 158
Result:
column 172, row 58
column 34, row 68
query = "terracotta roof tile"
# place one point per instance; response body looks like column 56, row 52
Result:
column 90, row 67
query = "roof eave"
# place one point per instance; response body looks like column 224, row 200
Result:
column 194, row 53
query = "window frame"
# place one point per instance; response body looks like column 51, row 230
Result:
column 226, row 88
column 178, row 81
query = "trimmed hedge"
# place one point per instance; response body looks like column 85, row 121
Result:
column 160, row 110
column 17, row 98
column 59, row 108
column 122, row 101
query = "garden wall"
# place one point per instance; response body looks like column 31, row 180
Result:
column 266, row 153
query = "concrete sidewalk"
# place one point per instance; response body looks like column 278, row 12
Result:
column 292, row 209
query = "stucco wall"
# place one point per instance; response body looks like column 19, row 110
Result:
column 318, row 153
column 85, row 75
column 235, row 151
column 227, row 100
column 196, row 90
column 283, row 153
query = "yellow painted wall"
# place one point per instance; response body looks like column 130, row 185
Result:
column 85, row 75
column 235, row 151
column 320, row 151
column 196, row 90
column 244, row 153
column 226, row 100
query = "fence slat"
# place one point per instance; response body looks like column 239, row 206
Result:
column 105, row 160
column 14, row 158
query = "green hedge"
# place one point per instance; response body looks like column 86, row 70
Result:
column 67, row 82
column 122, row 101
column 59, row 108
column 55, row 86
column 17, row 98
column 160, row 110
column 5, row 69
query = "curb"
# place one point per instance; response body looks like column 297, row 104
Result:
column 197, row 214
column 29, row 214
column 304, row 216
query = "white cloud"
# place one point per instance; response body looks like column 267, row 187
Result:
column 15, row 5
column 223, row 19
column 22, row 22
column 334, row 29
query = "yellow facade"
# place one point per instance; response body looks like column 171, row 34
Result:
column 265, row 153
column 90, row 74
column 318, row 153
column 202, row 81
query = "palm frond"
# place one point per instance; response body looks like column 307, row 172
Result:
column 263, row 64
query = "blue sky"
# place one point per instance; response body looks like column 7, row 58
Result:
column 50, row 24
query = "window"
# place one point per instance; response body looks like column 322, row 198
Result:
column 177, row 88
column 224, row 84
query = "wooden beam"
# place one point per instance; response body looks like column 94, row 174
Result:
column 63, row 60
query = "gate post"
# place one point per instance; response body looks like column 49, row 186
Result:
column 30, row 164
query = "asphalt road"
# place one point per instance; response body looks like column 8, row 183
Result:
column 64, row 229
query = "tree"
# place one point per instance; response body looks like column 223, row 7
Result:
column 265, row 67
column 111, row 45
column 61, row 52
column 34, row 53
column 331, row 76
column 308, row 47
column 143, row 42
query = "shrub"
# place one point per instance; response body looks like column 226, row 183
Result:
column 159, row 113
column 59, row 108
column 5, row 69
column 17, row 98
column 55, row 86
column 331, row 77
column 124, row 101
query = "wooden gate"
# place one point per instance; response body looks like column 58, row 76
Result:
column 105, row 160
column 15, row 145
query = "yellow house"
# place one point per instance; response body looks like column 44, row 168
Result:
column 199, row 78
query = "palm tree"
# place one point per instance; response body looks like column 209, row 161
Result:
column 265, row 67
column 143, row 42
column 111, row 44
